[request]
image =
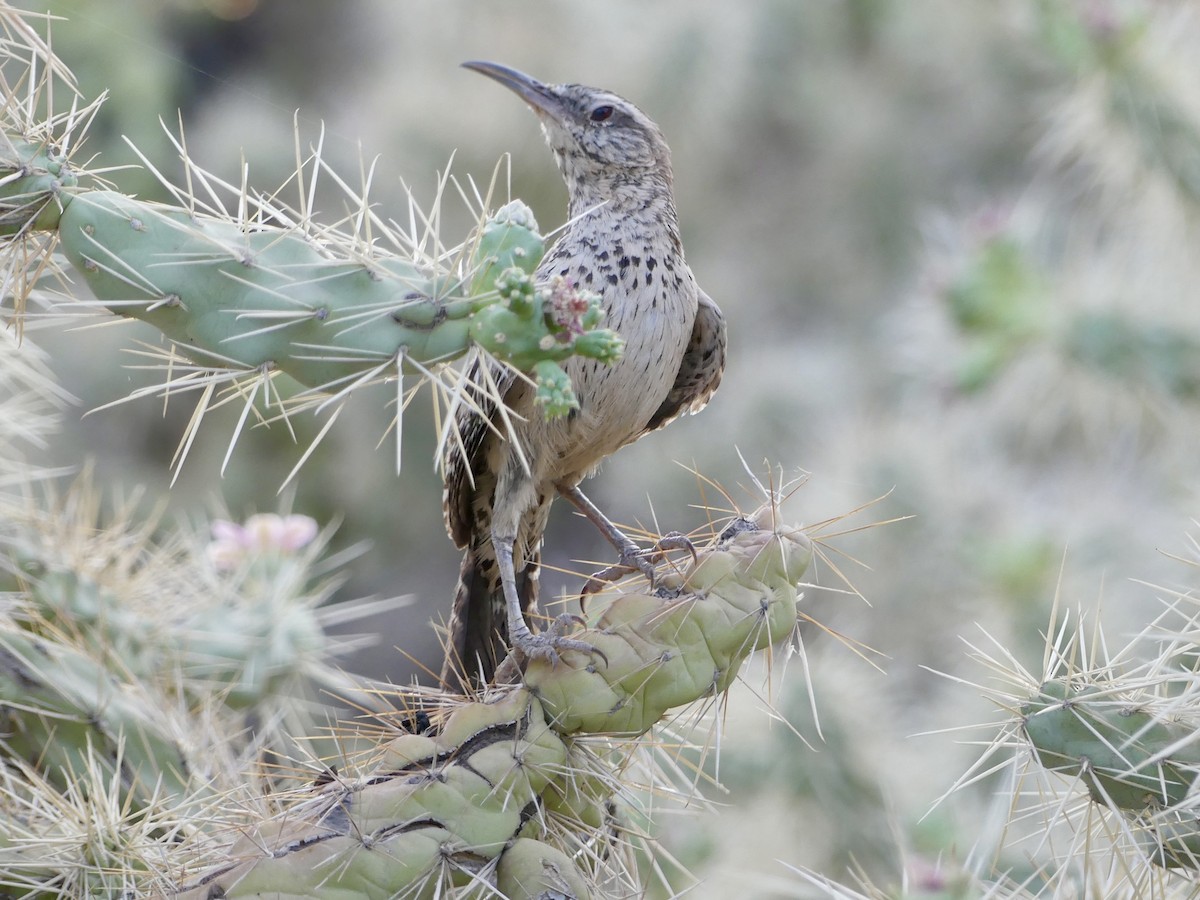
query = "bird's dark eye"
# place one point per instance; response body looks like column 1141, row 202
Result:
column 602, row 113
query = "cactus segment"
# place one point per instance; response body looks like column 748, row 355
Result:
column 739, row 597
column 450, row 803
column 251, row 638
column 63, row 711
column 554, row 391
column 32, row 178
column 1115, row 748
column 266, row 298
column 461, row 804
column 603, row 344
column 508, row 239
column 1128, row 758
column 257, row 298
column 270, row 299
column 556, row 322
column 532, row 870
column 536, row 329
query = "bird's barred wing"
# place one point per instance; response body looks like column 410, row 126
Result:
column 468, row 470
column 701, row 369
column 470, row 466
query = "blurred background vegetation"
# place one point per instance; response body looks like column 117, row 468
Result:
column 955, row 243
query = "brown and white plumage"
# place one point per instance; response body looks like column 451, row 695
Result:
column 623, row 243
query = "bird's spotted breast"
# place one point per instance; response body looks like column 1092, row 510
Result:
column 618, row 400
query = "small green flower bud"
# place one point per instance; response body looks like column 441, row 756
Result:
column 554, row 389
column 603, row 344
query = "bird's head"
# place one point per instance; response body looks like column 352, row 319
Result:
column 602, row 142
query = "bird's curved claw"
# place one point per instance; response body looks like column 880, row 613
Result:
column 606, row 576
column 563, row 621
column 550, row 644
column 674, row 540
column 634, row 559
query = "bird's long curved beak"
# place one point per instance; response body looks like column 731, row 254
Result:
column 540, row 96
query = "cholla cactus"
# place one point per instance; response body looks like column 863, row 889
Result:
column 142, row 683
column 501, row 790
column 142, row 679
column 1101, row 747
column 244, row 296
column 129, row 760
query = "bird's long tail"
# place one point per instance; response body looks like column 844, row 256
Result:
column 478, row 628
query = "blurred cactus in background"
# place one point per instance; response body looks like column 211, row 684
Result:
column 142, row 679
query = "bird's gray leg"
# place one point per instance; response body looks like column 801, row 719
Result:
column 524, row 642
column 633, row 558
column 514, row 493
column 615, row 536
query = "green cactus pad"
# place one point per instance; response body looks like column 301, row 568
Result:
column 32, row 179
column 601, row 343
column 517, row 290
column 554, row 390
column 508, row 239
column 662, row 653
column 536, row 330
column 267, row 298
column 64, row 712
column 257, row 298
column 458, row 799
column 532, row 870
column 1118, row 750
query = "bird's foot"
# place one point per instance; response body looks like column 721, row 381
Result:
column 551, row 643
column 675, row 540
column 634, row 559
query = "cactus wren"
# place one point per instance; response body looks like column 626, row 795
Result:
column 622, row 241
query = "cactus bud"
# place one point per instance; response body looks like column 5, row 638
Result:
column 509, row 238
column 554, row 389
